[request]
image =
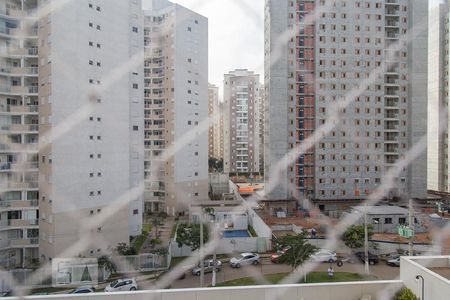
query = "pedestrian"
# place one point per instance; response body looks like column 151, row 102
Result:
column 330, row 272
column 313, row 233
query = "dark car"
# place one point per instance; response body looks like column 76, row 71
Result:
column 373, row 259
column 275, row 257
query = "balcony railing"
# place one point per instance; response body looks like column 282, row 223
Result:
column 18, row 204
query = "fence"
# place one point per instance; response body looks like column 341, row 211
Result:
column 142, row 262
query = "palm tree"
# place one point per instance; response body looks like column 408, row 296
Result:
column 156, row 221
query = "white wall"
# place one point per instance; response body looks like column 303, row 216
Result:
column 322, row 291
column 436, row 287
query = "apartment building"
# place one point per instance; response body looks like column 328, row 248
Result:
column 176, row 107
column 19, row 232
column 242, row 99
column 90, row 126
column 317, row 54
column 215, row 115
column 261, row 114
column 438, row 96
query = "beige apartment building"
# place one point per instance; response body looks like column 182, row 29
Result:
column 176, row 107
column 215, row 115
column 242, row 120
column 19, row 233
column 365, row 60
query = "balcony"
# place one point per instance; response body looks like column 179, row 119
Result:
column 18, row 204
column 391, row 115
column 20, row 185
column 18, row 223
column 14, row 147
column 21, row 127
column 19, row 243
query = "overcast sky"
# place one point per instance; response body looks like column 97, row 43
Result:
column 236, row 35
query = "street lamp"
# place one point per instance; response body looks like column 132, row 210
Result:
column 423, row 285
column 366, row 242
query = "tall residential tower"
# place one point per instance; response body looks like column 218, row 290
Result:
column 19, row 233
column 176, row 107
column 438, row 96
column 91, row 126
column 242, row 116
column 318, row 55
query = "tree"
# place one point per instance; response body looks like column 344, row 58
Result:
column 297, row 250
column 107, row 263
column 124, row 249
column 354, row 236
column 189, row 235
column 156, row 221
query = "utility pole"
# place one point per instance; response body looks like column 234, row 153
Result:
column 366, row 242
column 411, row 227
column 202, row 265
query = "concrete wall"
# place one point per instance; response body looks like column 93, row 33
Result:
column 261, row 228
column 331, row 291
column 436, row 287
column 228, row 246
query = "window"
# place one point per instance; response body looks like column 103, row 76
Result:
column 135, row 128
column 135, row 29
column 387, row 220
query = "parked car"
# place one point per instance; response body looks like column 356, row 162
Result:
column 83, row 290
column 209, row 266
column 324, row 255
column 275, row 256
column 373, row 259
column 245, row 259
column 119, row 285
column 395, row 262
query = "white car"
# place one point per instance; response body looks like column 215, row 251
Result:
column 245, row 259
column 121, row 285
column 323, row 255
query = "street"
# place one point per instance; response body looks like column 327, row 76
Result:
column 380, row 270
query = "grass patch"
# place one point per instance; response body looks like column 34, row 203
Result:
column 252, row 231
column 139, row 241
column 313, row 277
column 49, row 290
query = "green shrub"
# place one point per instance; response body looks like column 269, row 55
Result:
column 405, row 294
column 252, row 231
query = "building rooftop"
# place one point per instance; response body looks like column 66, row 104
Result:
column 381, row 210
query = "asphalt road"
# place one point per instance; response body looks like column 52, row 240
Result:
column 380, row 270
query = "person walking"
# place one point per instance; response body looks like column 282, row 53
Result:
column 330, row 272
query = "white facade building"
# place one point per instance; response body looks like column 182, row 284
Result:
column 438, row 96
column 176, row 107
column 91, row 128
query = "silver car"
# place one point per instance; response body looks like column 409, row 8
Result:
column 209, row 266
column 121, row 285
column 245, row 259
column 323, row 255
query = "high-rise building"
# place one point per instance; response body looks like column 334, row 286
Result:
column 242, row 98
column 261, row 113
column 438, row 96
column 176, row 107
column 90, row 126
column 214, row 115
column 317, row 53
column 19, row 233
